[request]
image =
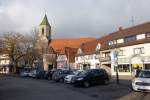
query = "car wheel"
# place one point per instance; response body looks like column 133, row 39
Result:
column 132, row 89
column 61, row 80
column 86, row 84
column 48, row 78
column 106, row 81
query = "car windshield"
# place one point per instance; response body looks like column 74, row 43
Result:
column 144, row 74
column 84, row 72
column 66, row 72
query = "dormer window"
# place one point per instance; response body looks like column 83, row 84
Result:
column 79, row 51
column 140, row 36
column 120, row 41
column 130, row 39
column 110, row 43
column 98, row 46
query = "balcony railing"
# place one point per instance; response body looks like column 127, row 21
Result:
column 128, row 60
column 105, row 59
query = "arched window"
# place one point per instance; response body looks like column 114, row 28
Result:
column 42, row 31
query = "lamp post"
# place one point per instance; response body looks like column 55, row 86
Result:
column 115, row 60
column 117, row 76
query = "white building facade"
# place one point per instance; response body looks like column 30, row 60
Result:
column 128, row 51
column 130, row 57
column 88, row 60
column 4, row 63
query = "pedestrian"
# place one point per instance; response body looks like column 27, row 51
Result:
column 137, row 70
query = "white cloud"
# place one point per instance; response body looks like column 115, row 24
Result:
column 73, row 17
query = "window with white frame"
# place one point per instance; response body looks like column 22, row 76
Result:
column 106, row 54
column 148, row 34
column 76, row 58
column 115, row 42
column 120, row 53
column 123, row 68
column 139, row 50
column 98, row 46
column 79, row 51
column 82, row 57
column 90, row 56
column 97, row 56
column 140, row 36
column 110, row 43
column 120, row 41
column 130, row 39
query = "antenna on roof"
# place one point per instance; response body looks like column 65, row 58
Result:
column 132, row 20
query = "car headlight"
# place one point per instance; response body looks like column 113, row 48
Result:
column 79, row 79
column 136, row 80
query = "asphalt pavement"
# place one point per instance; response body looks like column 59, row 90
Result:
column 17, row 88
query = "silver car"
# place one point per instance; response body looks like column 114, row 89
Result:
column 142, row 81
column 69, row 78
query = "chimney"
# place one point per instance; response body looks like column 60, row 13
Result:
column 120, row 28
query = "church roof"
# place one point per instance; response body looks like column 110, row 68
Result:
column 51, row 50
column 59, row 44
column 45, row 21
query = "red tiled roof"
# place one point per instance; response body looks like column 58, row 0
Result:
column 59, row 44
column 51, row 50
column 135, row 30
column 89, row 47
column 70, row 53
column 138, row 29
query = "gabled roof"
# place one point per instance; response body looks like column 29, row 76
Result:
column 45, row 21
column 51, row 50
column 89, row 47
column 135, row 30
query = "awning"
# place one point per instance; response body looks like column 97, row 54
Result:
column 137, row 65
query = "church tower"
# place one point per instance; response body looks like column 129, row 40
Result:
column 45, row 30
column 44, row 38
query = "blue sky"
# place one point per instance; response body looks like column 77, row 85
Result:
column 72, row 18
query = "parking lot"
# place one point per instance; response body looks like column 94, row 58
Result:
column 17, row 88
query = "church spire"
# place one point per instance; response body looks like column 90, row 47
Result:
column 45, row 29
column 45, row 21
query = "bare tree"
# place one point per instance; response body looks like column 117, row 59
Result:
column 38, row 47
column 14, row 49
column 25, row 48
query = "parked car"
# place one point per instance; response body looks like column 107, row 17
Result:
column 25, row 73
column 91, row 77
column 33, row 73
column 69, row 78
column 48, row 74
column 59, row 75
column 141, row 82
column 39, row 74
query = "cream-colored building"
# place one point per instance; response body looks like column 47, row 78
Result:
column 127, row 49
column 123, row 50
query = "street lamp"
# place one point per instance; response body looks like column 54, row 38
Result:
column 115, row 63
